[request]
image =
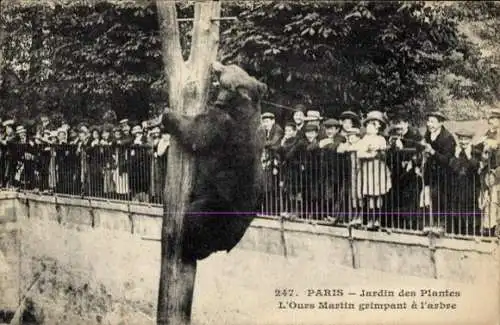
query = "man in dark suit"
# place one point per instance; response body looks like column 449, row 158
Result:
column 465, row 185
column 332, row 137
column 438, row 149
column 273, row 132
column 290, row 155
column 404, row 140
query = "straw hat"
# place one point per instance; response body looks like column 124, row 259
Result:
column 136, row 129
column 313, row 116
column 375, row 116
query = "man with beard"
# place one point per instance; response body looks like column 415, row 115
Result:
column 404, row 140
column 299, row 120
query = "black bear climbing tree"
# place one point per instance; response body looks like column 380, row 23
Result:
column 187, row 83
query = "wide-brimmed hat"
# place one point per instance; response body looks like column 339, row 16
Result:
column 313, row 116
column 464, row 133
column 375, row 116
column 401, row 116
column 63, row 130
column 349, row 115
column 331, row 122
column 136, row 129
column 155, row 130
column 267, row 115
column 21, row 129
column 8, row 122
column 494, row 113
column 311, row 127
column 440, row 116
column 83, row 128
column 123, row 121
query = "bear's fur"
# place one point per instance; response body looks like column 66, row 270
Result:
column 227, row 143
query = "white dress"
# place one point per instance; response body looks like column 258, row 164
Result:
column 374, row 176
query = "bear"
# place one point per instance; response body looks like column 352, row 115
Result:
column 227, row 142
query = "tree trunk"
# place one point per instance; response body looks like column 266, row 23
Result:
column 188, row 83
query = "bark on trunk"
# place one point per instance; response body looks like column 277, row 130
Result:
column 188, row 84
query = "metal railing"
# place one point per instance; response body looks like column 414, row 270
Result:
column 394, row 190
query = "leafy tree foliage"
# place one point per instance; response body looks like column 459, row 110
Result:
column 84, row 60
column 361, row 56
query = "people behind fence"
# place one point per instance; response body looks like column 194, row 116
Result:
column 361, row 170
column 434, row 180
column 102, row 160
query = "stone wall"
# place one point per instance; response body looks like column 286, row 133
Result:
column 100, row 258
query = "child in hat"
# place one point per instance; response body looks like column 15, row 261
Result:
column 374, row 176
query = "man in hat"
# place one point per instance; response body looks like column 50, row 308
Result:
column 273, row 131
column 465, row 185
column 404, row 140
column 408, row 136
column 9, row 152
column 438, row 148
column 139, row 165
column 311, row 176
column 25, row 169
column 332, row 137
column 289, row 153
column 349, row 120
column 10, row 133
column 125, row 126
column 298, row 119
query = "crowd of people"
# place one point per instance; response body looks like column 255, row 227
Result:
column 116, row 161
column 370, row 171
column 376, row 171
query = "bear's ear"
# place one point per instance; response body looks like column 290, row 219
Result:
column 244, row 93
column 261, row 89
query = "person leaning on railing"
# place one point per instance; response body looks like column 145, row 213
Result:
column 465, row 185
column 439, row 147
column 7, row 141
column 489, row 171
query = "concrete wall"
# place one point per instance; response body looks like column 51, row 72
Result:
column 97, row 255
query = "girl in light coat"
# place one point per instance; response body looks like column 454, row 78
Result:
column 374, row 176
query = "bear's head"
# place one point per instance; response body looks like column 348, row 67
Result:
column 238, row 90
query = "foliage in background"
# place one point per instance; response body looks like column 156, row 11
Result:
column 82, row 61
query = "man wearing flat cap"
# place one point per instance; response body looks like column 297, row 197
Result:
column 332, row 137
column 273, row 131
column 438, row 148
column 465, row 184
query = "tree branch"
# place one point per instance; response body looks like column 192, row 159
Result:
column 204, row 46
column 171, row 45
